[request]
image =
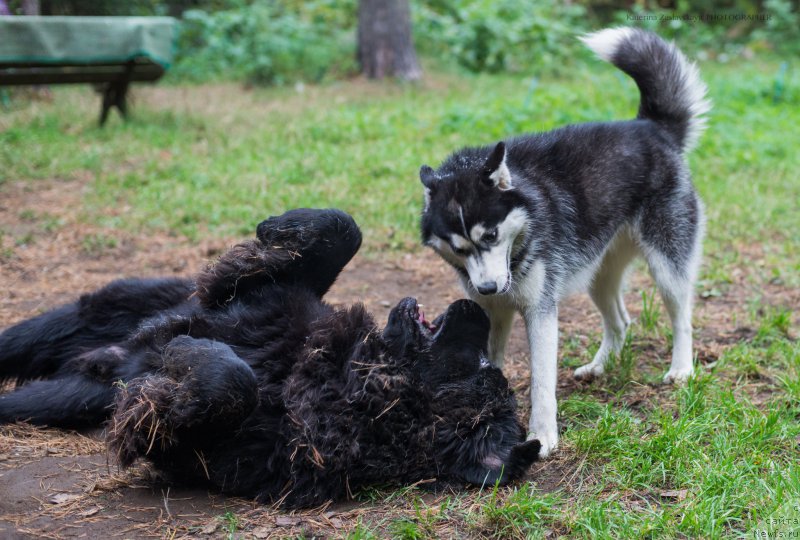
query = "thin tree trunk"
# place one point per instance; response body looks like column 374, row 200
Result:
column 385, row 47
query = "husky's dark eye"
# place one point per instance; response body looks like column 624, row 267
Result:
column 490, row 236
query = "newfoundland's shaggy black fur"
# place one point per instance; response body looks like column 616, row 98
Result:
column 246, row 379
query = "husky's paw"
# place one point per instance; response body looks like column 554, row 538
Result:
column 678, row 376
column 588, row 372
column 549, row 442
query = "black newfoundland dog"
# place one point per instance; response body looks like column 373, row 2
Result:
column 245, row 379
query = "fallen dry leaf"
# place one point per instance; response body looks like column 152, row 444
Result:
column 678, row 494
column 287, row 521
column 90, row 511
column 261, row 532
column 210, row 527
column 61, row 498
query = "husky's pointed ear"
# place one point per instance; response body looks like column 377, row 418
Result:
column 495, row 169
column 428, row 176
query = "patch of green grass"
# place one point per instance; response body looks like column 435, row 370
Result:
column 651, row 314
column 776, row 322
column 716, row 459
column 522, row 513
column 51, row 223
column 6, row 252
column 27, row 215
column 421, row 525
column 47, row 222
column 406, row 529
column 25, row 239
column 96, row 244
column 730, row 455
column 230, row 523
column 361, row 532
column 619, row 370
column 581, row 408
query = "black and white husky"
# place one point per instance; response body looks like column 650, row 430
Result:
column 530, row 220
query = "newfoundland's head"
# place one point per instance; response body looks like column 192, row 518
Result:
column 477, row 436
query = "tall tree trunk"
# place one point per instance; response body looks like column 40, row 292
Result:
column 385, row 47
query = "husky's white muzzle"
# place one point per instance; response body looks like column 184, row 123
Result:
column 489, row 270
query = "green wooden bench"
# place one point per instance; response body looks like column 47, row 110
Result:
column 110, row 52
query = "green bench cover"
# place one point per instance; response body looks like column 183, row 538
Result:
column 86, row 40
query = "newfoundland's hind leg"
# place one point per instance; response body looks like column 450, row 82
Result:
column 79, row 394
column 39, row 347
column 304, row 247
column 74, row 401
column 324, row 241
column 203, row 387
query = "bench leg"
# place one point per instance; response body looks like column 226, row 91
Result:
column 114, row 95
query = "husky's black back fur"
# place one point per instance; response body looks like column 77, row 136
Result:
column 247, row 380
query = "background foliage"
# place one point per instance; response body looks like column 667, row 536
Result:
column 288, row 40
column 268, row 42
column 284, row 41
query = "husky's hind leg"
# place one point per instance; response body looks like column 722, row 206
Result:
column 671, row 242
column 606, row 292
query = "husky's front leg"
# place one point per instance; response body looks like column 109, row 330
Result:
column 501, row 318
column 542, row 326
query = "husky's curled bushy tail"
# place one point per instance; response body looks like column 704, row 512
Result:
column 528, row 220
column 672, row 92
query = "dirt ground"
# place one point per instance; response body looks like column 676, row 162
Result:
column 57, row 484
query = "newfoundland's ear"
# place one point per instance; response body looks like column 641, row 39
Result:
column 523, row 455
column 496, row 173
column 518, row 462
column 427, row 175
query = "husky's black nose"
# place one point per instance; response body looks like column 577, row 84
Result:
column 489, row 287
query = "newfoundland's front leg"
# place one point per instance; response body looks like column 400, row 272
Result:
column 303, row 247
column 542, row 327
column 202, row 387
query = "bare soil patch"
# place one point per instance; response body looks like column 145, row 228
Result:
column 58, row 484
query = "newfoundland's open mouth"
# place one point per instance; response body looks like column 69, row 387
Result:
column 414, row 311
column 463, row 323
column 423, row 321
